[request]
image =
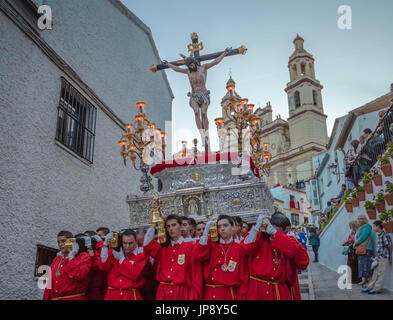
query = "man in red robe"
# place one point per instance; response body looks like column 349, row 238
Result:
column 267, row 262
column 125, row 267
column 98, row 278
column 297, row 260
column 221, row 261
column 69, row 272
column 178, row 272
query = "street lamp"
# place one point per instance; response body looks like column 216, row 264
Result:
column 135, row 142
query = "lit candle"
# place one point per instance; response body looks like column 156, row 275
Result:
column 139, row 119
column 250, row 108
column 141, row 106
column 129, row 127
column 123, row 144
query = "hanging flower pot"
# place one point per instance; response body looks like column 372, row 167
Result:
column 389, row 198
column 355, row 202
column 377, row 180
column 349, row 208
column 380, row 206
column 388, row 226
column 361, row 195
column 387, row 170
column 368, row 187
column 372, row 214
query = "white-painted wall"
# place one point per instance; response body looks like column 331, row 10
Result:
column 44, row 189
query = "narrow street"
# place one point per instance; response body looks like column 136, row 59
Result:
column 322, row 285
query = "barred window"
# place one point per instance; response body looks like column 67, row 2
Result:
column 295, row 219
column 44, row 257
column 76, row 122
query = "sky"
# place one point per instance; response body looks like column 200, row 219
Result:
column 354, row 65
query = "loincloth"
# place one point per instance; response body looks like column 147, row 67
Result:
column 200, row 97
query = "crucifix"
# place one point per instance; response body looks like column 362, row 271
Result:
column 197, row 75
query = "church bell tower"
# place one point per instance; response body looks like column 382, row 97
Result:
column 307, row 121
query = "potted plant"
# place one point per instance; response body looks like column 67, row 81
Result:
column 377, row 177
column 360, row 194
column 390, row 149
column 386, row 167
column 386, row 218
column 355, row 201
column 389, row 194
column 380, row 202
column 370, row 209
column 367, row 184
column 348, row 205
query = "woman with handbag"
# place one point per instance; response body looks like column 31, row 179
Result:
column 352, row 259
column 364, row 249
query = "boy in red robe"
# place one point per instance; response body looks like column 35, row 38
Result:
column 69, row 272
column 178, row 272
column 221, row 261
column 268, row 254
column 125, row 267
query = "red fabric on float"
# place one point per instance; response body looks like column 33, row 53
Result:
column 205, row 159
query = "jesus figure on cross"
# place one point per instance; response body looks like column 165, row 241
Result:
column 199, row 95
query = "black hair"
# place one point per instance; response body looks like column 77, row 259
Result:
column 279, row 220
column 179, row 221
column 367, row 130
column 90, row 233
column 184, row 218
column 81, row 243
column 65, row 233
column 378, row 223
column 238, row 220
column 229, row 218
column 79, row 235
column 192, row 222
column 105, row 229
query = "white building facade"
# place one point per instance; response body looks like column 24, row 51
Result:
column 65, row 96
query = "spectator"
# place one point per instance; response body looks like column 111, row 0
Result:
column 302, row 237
column 314, row 242
column 352, row 260
column 364, row 237
column 328, row 209
column 382, row 259
column 355, row 145
column 341, row 193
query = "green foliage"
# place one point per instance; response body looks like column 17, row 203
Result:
column 366, row 179
column 385, row 159
column 389, row 188
column 386, row 215
column 390, row 148
column 380, row 197
column 359, row 189
column 353, row 194
column 369, row 205
column 346, row 194
column 348, row 201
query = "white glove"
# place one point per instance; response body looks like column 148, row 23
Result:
column 252, row 236
column 149, row 236
column 206, row 232
column 119, row 255
column 75, row 249
column 104, row 254
column 97, row 237
column 270, row 228
column 87, row 241
column 107, row 237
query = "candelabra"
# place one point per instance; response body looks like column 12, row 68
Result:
column 141, row 141
column 241, row 114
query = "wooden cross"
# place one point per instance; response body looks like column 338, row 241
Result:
column 194, row 48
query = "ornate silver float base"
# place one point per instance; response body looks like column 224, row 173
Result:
column 204, row 192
